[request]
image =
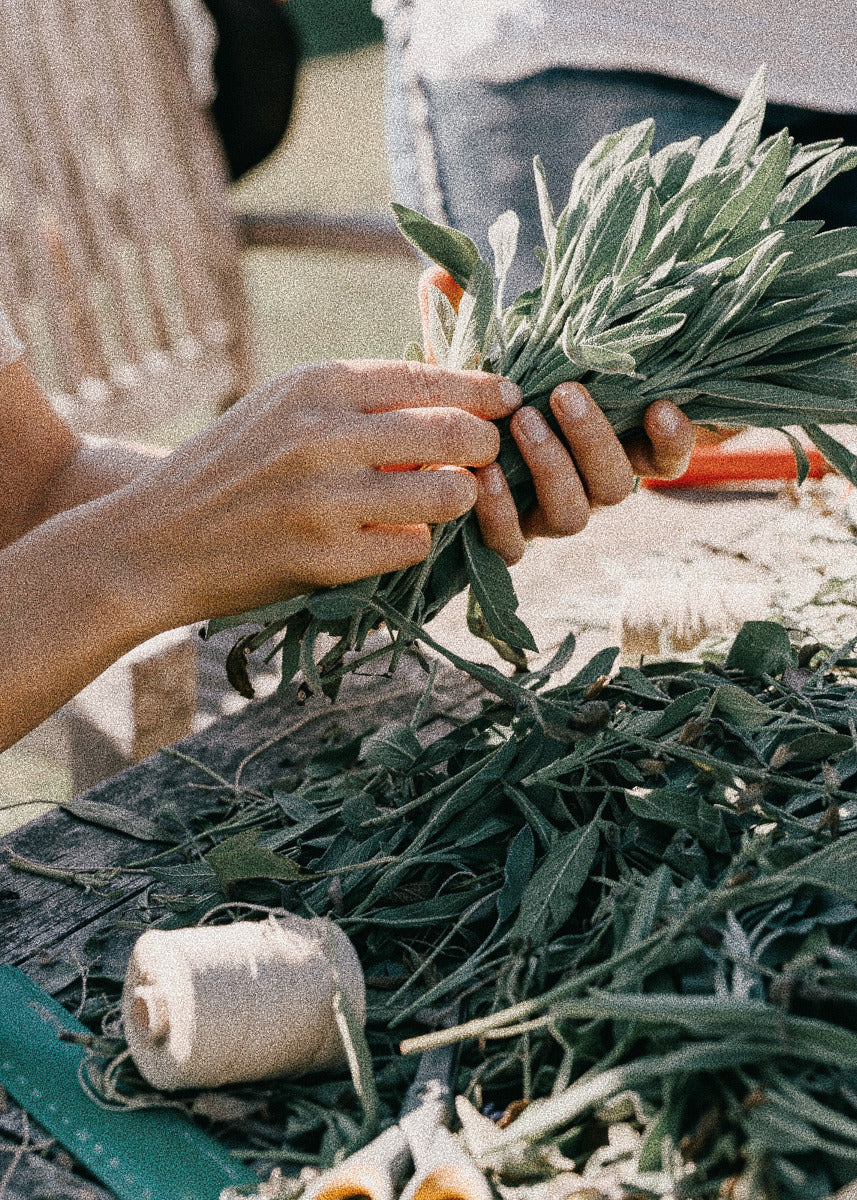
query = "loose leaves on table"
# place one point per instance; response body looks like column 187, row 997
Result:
column 630, row 920
column 551, row 895
column 761, row 648
column 241, row 857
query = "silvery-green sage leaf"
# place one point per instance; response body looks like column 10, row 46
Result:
column 503, row 240
column 473, row 323
column 546, row 212
column 493, row 588
column 736, row 141
column 449, row 248
column 810, row 182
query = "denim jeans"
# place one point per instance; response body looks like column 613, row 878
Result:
column 467, row 148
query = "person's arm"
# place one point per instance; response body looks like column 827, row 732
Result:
column 281, row 495
column 46, row 468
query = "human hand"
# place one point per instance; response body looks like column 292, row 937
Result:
column 592, row 470
column 287, row 491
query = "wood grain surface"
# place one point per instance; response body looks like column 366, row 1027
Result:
column 46, row 923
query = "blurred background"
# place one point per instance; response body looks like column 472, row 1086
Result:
column 312, row 303
column 332, row 161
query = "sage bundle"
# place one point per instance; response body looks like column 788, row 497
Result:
column 681, row 274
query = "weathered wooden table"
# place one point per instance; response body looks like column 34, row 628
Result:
column 45, row 922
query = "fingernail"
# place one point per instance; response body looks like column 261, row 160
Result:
column 510, row 394
column 532, row 425
column 670, row 421
column 571, row 400
column 492, row 480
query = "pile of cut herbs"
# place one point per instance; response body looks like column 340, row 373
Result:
column 638, row 890
column 681, row 274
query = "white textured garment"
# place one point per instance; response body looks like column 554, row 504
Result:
column 810, row 47
column 11, row 346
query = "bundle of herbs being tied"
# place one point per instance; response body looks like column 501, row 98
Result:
column 639, row 891
column 679, row 274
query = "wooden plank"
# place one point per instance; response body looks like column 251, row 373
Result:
column 354, row 233
column 45, row 919
column 46, row 923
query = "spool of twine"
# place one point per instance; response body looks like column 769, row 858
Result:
column 222, row 1004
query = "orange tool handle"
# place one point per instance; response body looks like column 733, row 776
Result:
column 443, row 281
column 709, row 464
column 719, row 464
column 431, row 277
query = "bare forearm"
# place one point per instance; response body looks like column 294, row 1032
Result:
column 65, row 614
column 45, row 467
column 95, row 468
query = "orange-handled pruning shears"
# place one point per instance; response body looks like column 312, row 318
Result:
column 377, row 1171
column 443, row 1170
column 421, row 1143
column 712, row 465
column 709, row 465
column 435, row 277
